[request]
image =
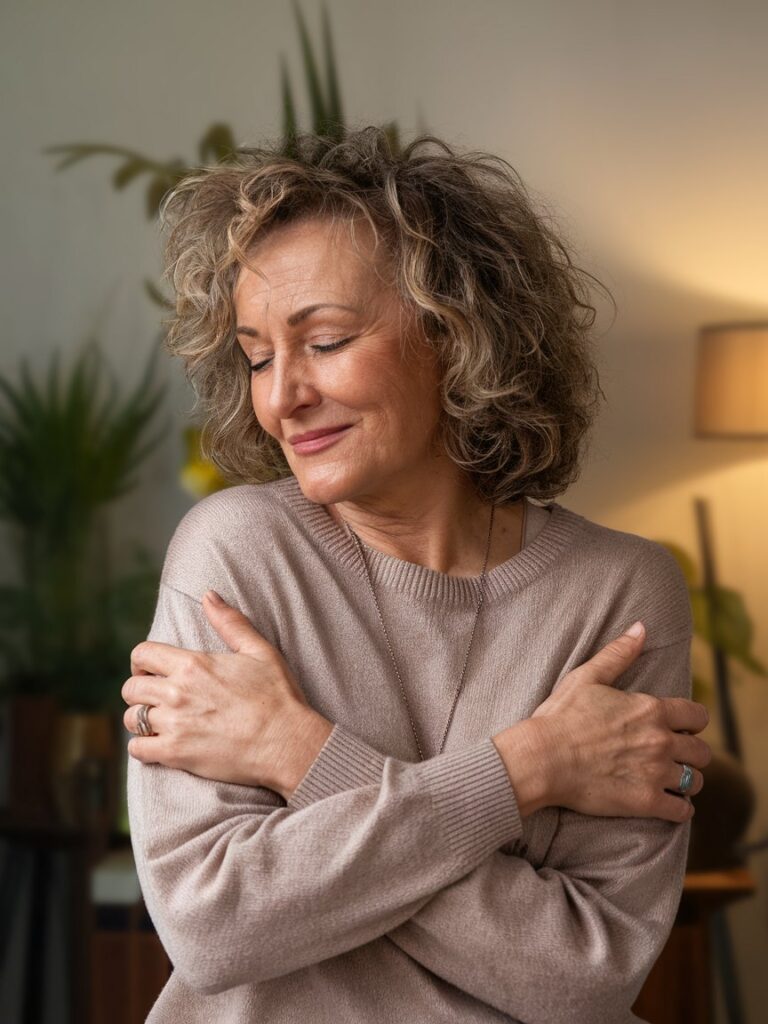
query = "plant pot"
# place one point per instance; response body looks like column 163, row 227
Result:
column 31, row 722
column 724, row 810
column 85, row 769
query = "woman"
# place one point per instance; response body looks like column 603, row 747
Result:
column 385, row 769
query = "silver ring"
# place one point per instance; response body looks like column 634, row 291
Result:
column 143, row 728
column 686, row 779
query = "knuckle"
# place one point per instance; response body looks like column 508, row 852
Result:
column 138, row 650
column 704, row 752
column 191, row 662
column 127, row 691
column 172, row 695
column 659, row 744
column 649, row 706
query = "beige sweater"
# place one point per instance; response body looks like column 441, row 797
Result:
column 388, row 890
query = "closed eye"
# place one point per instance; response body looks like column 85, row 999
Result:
column 256, row 367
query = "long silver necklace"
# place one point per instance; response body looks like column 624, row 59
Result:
column 481, row 597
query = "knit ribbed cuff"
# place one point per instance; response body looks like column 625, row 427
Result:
column 472, row 793
column 343, row 762
column 470, row 789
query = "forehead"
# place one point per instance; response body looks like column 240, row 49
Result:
column 312, row 255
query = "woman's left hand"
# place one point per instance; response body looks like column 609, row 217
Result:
column 235, row 717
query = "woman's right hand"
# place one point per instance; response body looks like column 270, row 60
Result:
column 607, row 752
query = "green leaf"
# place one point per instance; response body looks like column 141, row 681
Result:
column 335, row 115
column 392, row 133
column 125, row 174
column 320, row 123
column 684, row 560
column 217, row 145
column 728, row 624
column 156, row 295
column 154, row 195
column 289, row 111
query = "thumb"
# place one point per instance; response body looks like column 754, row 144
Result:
column 608, row 664
column 233, row 627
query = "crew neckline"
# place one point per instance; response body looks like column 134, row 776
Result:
column 420, row 581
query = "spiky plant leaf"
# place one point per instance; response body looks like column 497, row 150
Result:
column 317, row 103
column 290, row 128
column 335, row 115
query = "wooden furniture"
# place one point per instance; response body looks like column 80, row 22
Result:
column 679, row 988
column 33, row 842
column 129, row 966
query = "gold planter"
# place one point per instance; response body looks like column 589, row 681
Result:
column 85, row 771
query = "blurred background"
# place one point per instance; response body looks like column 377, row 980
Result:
column 640, row 128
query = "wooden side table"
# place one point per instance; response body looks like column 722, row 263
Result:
column 679, row 988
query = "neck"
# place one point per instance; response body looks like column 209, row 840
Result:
column 443, row 526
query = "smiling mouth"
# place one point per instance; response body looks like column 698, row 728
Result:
column 320, row 441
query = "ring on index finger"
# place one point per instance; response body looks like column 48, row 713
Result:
column 143, row 728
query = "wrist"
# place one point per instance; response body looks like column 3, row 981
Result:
column 307, row 736
column 526, row 751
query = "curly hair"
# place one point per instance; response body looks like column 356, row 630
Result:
column 484, row 275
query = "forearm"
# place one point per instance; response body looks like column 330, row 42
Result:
column 551, row 946
column 318, row 880
column 591, row 906
column 522, row 747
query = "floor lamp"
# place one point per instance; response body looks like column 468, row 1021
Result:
column 731, row 403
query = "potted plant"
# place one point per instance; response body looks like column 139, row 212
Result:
column 725, row 806
column 71, row 446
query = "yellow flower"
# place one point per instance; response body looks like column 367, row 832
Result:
column 199, row 476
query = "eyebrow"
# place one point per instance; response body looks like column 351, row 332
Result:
column 296, row 318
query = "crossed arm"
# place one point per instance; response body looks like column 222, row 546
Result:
column 368, row 846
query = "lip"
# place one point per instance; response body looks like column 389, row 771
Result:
column 316, row 440
column 310, row 435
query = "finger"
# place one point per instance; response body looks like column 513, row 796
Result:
column 685, row 715
column 691, row 750
column 233, row 627
column 673, row 808
column 143, row 689
column 131, row 719
column 673, row 776
column 155, row 658
column 146, row 749
column 616, row 657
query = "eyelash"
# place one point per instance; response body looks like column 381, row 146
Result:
column 257, row 367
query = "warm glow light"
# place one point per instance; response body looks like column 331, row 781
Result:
column 732, row 382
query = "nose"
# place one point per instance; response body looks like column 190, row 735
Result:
column 291, row 388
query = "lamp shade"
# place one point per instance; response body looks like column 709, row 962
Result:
column 731, row 399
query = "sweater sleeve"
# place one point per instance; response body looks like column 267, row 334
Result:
column 242, row 888
column 569, row 934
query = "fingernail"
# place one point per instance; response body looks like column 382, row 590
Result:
column 636, row 629
column 213, row 597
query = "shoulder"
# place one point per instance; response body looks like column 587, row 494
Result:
column 228, row 509
column 222, row 531
column 630, row 577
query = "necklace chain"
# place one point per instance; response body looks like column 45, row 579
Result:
column 481, row 597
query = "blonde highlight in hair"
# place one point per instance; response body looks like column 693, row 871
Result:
column 482, row 276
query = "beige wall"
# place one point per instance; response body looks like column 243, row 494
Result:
column 641, row 125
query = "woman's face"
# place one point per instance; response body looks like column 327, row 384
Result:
column 322, row 331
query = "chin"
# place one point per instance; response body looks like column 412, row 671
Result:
column 327, row 488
